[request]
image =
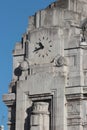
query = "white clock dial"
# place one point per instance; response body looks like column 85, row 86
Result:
column 43, row 47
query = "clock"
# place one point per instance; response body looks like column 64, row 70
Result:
column 43, row 47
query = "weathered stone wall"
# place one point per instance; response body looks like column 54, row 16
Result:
column 49, row 68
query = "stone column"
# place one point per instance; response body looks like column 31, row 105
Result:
column 40, row 116
column 9, row 118
column 9, row 100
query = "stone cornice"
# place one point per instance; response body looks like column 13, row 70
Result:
column 9, row 99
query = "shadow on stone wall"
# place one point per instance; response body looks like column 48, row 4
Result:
column 27, row 119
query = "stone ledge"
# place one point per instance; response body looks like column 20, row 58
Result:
column 85, row 89
column 74, row 121
column 73, row 90
column 9, row 99
column 74, row 96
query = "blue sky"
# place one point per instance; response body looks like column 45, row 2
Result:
column 14, row 16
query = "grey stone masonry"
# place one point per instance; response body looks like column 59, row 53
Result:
column 48, row 90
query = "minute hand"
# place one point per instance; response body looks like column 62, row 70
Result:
column 37, row 49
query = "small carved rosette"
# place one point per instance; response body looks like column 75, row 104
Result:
column 60, row 61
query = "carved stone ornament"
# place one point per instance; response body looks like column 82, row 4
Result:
column 24, row 65
column 41, row 107
column 61, row 61
column 83, row 34
column 40, row 119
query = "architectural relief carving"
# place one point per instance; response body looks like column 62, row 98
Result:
column 83, row 35
column 24, row 65
column 61, row 61
column 73, row 108
column 40, row 116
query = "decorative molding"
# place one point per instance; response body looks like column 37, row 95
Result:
column 40, row 107
column 60, row 61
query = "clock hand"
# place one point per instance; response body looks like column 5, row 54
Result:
column 41, row 45
column 36, row 49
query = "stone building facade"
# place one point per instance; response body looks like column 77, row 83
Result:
column 48, row 90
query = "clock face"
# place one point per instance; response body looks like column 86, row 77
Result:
column 43, row 47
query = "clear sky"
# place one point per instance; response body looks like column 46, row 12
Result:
column 14, row 20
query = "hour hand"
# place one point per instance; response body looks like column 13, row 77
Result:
column 41, row 45
column 38, row 48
